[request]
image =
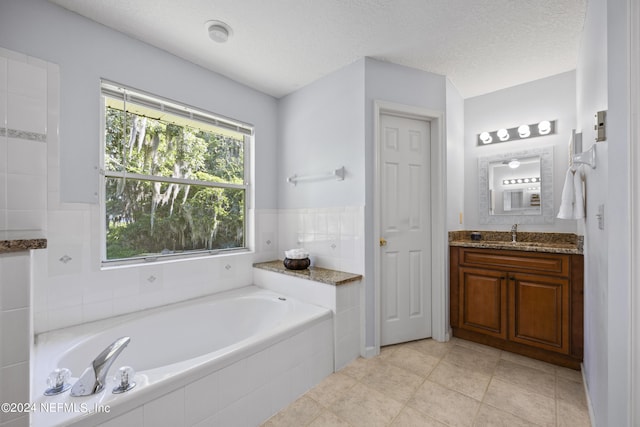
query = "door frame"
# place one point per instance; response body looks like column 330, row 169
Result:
column 439, row 295
column 634, row 186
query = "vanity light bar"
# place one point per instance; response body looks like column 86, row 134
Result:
column 533, row 130
column 512, row 181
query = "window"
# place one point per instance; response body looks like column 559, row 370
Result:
column 175, row 178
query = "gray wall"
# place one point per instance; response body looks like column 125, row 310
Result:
column 321, row 128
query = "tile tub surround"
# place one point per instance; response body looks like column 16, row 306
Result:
column 563, row 243
column 430, row 383
column 338, row 291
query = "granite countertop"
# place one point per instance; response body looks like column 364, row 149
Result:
column 21, row 240
column 317, row 274
column 560, row 243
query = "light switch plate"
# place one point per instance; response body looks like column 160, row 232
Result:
column 600, row 216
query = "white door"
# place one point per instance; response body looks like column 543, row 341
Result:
column 405, row 234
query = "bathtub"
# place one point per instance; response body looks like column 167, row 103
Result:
column 233, row 358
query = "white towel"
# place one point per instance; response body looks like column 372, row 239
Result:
column 578, row 193
column 572, row 202
column 568, row 197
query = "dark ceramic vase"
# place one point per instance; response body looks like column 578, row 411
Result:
column 297, row 264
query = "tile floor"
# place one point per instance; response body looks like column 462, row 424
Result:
column 427, row 383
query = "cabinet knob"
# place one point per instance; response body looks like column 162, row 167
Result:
column 383, row 242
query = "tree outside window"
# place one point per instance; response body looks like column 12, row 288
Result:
column 174, row 185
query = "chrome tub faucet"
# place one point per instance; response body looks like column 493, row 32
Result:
column 93, row 379
column 514, row 233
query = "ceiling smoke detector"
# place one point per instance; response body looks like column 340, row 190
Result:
column 218, row 31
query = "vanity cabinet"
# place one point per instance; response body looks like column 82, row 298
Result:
column 526, row 302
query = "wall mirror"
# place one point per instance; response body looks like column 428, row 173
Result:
column 516, row 187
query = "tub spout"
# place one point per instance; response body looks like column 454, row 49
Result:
column 93, row 378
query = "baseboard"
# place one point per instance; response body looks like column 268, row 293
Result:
column 592, row 417
column 370, row 352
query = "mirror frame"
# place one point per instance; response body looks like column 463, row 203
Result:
column 546, row 215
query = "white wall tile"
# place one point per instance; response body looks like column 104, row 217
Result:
column 15, row 281
column 97, row 310
column 234, row 415
column 234, row 380
column 27, row 79
column 15, row 337
column 202, row 399
column 67, row 226
column 259, row 400
column 209, row 422
column 166, row 411
column 281, row 394
column 26, row 157
column 26, row 114
column 18, row 377
column 26, row 220
column 260, row 370
column 26, row 192
column 62, row 293
column 65, row 260
column 133, row 418
column 3, row 148
column 3, row 107
column 3, row 74
column 64, row 317
column 22, row 421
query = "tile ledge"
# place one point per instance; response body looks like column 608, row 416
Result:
column 21, row 240
column 316, row 274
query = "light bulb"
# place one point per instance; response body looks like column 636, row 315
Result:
column 544, row 127
column 486, row 138
column 503, row 134
column 524, row 131
column 513, row 164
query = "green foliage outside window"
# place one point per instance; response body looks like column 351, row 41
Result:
column 151, row 210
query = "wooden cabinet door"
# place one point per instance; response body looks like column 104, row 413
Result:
column 539, row 311
column 483, row 301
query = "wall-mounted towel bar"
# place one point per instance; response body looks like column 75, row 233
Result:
column 338, row 174
column 586, row 158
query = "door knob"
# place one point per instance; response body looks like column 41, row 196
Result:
column 383, row 242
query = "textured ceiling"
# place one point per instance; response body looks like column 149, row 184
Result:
column 278, row 46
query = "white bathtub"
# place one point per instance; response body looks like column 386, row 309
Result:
column 233, row 358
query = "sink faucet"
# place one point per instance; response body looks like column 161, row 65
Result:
column 514, row 233
column 93, row 378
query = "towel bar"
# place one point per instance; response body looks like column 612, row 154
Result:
column 338, row 174
column 586, row 158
